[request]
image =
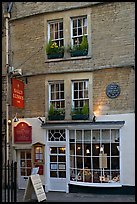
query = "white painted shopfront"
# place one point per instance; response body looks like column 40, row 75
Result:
column 86, row 154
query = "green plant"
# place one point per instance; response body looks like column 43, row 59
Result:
column 80, row 111
column 84, row 43
column 52, row 48
column 82, row 46
column 51, row 109
column 56, row 111
column 85, row 110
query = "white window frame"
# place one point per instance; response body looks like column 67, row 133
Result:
column 83, row 99
column 56, row 100
column 93, row 183
column 58, row 39
column 71, row 28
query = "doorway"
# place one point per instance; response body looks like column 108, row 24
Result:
column 24, row 167
column 57, row 168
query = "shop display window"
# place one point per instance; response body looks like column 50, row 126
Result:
column 94, row 156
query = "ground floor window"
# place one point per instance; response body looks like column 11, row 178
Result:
column 94, row 155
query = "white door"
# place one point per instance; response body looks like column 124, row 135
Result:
column 24, row 167
column 57, row 168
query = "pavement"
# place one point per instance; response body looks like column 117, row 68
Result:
column 77, row 197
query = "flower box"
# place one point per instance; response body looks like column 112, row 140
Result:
column 56, row 117
column 55, row 55
column 76, row 53
column 80, row 117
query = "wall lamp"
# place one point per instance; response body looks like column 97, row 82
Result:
column 40, row 119
column 15, row 119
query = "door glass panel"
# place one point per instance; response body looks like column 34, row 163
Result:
column 25, row 163
column 57, row 162
column 53, row 158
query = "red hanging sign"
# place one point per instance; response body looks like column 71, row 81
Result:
column 17, row 93
column 23, row 133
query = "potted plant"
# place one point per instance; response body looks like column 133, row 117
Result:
column 53, row 50
column 56, row 114
column 81, row 49
column 80, row 114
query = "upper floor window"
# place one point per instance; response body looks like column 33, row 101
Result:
column 56, row 94
column 55, row 31
column 78, row 29
column 80, row 94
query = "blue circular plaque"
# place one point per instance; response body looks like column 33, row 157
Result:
column 113, row 90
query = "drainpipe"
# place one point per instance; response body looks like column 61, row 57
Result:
column 7, row 17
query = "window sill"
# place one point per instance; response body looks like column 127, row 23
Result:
column 67, row 59
column 96, row 184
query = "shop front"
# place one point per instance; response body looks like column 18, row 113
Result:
column 83, row 153
column 75, row 155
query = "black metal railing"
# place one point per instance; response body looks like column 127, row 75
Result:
column 9, row 176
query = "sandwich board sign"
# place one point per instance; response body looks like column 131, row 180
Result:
column 34, row 185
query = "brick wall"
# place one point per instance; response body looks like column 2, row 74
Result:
column 112, row 33
column 36, row 93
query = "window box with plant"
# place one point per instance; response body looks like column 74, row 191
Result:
column 80, row 113
column 56, row 114
column 80, row 49
column 53, row 50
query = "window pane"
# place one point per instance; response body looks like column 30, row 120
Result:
column 87, row 162
column 79, row 31
column 61, row 150
column 87, row 150
column 74, row 23
column 78, row 135
column 114, row 150
column 61, row 158
column 53, row 150
column 75, row 94
column 62, row 174
column 96, row 149
column 79, row 162
column 53, row 174
column 53, row 158
column 79, row 149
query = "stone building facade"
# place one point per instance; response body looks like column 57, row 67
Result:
column 110, row 60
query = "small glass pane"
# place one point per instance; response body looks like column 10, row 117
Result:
column 28, row 155
column 79, row 162
column 28, row 172
column 114, row 149
column 78, row 136
column 96, row 162
column 72, row 161
column 53, row 150
column 22, row 171
column 62, row 150
column 115, row 163
column 105, row 135
column 95, row 136
column 28, row 163
column 87, row 162
column 22, row 163
column 61, row 158
column 87, row 136
column 96, row 149
column 53, row 174
column 53, row 158
column 62, row 174
column 74, row 23
column 75, row 94
column 87, row 150
column 22, row 155
column 79, row 149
